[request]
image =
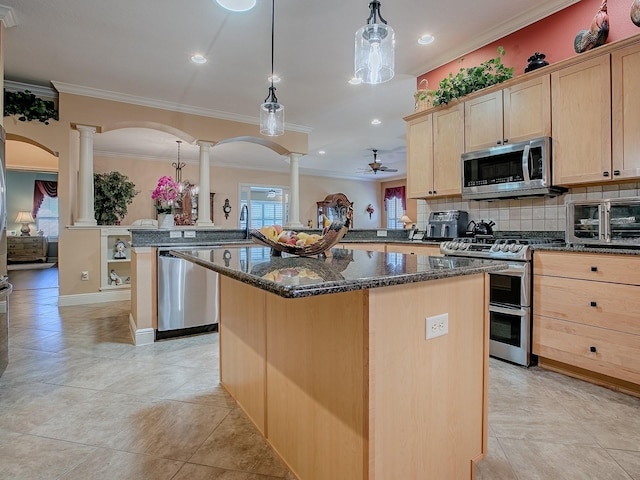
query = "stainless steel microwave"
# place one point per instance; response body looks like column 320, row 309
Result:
column 509, row 171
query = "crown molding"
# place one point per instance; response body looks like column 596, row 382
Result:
column 37, row 90
column 69, row 88
column 531, row 16
column 8, row 17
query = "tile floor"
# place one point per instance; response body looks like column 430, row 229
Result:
column 79, row 402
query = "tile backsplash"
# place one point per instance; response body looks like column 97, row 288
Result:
column 530, row 214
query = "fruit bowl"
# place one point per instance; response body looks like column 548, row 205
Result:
column 332, row 235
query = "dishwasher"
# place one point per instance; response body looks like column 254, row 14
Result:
column 187, row 297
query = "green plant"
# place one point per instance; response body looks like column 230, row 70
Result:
column 112, row 193
column 26, row 106
column 469, row 80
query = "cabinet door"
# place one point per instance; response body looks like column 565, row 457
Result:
column 527, row 110
column 581, row 122
column 420, row 157
column 448, row 145
column 625, row 72
column 483, row 121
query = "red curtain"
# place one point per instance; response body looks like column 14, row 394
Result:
column 395, row 192
column 41, row 189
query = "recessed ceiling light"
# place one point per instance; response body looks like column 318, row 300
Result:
column 275, row 77
column 321, row 152
column 426, row 39
column 375, row 121
column 355, row 81
column 237, row 5
column 199, row 59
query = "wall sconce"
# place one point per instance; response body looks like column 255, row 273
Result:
column 370, row 210
column 25, row 218
column 226, row 256
column 226, row 208
column 407, row 221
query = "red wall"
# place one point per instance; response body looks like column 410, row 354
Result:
column 552, row 36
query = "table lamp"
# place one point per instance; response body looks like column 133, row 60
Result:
column 25, row 218
column 407, row 221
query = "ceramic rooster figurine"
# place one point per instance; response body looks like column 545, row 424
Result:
column 635, row 12
column 597, row 33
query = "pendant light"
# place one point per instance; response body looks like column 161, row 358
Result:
column 375, row 43
column 178, row 165
column 271, row 111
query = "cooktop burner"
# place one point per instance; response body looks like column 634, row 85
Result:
column 487, row 246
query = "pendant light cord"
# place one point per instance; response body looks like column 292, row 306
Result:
column 271, row 97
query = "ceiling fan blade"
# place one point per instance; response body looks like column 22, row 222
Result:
column 387, row 169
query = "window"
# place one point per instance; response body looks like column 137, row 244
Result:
column 47, row 219
column 267, row 205
column 394, row 212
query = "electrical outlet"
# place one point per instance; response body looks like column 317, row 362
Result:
column 84, row 276
column 381, row 233
column 190, row 234
column 437, row 325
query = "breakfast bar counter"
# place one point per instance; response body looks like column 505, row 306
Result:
column 329, row 357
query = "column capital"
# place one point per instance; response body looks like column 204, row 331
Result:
column 205, row 144
column 85, row 128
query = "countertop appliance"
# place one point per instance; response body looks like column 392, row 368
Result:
column 187, row 297
column 446, row 224
column 508, row 171
column 510, row 291
column 604, row 222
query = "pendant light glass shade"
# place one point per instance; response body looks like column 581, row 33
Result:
column 271, row 111
column 375, row 46
column 271, row 118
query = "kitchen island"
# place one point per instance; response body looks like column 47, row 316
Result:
column 329, row 359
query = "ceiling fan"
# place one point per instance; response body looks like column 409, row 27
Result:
column 377, row 166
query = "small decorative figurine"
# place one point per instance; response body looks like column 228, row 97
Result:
column 635, row 12
column 119, row 248
column 597, row 33
column 114, row 278
column 536, row 60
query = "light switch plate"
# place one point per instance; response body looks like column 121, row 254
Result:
column 175, row 234
column 381, row 233
column 437, row 325
column 190, row 234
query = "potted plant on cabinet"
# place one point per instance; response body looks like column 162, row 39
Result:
column 26, row 107
column 113, row 192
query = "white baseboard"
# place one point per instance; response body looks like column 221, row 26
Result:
column 88, row 298
column 142, row 336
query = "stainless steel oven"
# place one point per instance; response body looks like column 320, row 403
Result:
column 510, row 292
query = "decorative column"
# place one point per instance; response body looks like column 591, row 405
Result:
column 294, row 193
column 204, row 189
column 86, row 212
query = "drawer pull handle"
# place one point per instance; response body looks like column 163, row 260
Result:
column 594, row 269
column 592, row 349
column 593, row 304
column 616, row 172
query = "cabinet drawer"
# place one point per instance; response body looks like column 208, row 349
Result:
column 589, row 266
column 606, row 305
column 11, row 247
column 617, row 354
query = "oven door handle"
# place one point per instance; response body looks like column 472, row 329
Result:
column 512, row 270
column 508, row 311
column 525, row 163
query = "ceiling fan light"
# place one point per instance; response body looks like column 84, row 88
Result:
column 374, row 49
column 271, row 119
column 237, row 5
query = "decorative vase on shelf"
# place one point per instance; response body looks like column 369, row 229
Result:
column 165, row 220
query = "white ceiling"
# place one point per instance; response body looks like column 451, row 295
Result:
column 140, row 50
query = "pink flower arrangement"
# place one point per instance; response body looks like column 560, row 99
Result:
column 165, row 193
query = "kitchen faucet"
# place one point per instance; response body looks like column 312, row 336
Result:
column 244, row 209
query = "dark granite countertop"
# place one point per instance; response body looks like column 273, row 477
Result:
column 574, row 248
column 347, row 270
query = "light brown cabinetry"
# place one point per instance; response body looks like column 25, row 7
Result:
column 435, row 142
column 581, row 118
column 516, row 113
column 26, row 249
column 625, row 72
column 585, row 314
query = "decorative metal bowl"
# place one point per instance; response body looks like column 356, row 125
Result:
column 332, row 235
